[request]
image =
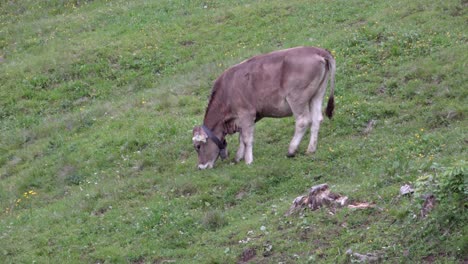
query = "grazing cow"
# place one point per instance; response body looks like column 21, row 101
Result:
column 278, row 84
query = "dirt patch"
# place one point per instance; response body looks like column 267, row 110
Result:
column 428, row 205
column 139, row 260
column 187, row 43
column 101, row 211
column 247, row 255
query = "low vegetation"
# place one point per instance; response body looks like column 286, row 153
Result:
column 98, row 99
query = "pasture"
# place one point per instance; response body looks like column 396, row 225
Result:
column 98, row 100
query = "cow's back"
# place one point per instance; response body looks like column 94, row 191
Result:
column 262, row 83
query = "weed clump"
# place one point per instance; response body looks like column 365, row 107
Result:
column 214, row 220
column 449, row 190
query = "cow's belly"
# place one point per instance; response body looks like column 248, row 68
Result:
column 280, row 108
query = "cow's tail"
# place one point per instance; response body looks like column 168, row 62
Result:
column 331, row 100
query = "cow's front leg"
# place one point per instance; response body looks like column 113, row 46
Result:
column 247, row 138
column 241, row 149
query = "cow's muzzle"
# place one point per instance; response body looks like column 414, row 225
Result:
column 208, row 165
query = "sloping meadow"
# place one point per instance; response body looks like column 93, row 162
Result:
column 98, row 100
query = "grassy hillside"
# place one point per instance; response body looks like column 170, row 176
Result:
column 98, row 100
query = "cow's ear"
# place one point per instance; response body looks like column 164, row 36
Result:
column 223, row 153
column 199, row 135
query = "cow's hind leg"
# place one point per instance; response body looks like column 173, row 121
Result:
column 302, row 123
column 316, row 117
column 302, row 115
column 241, row 149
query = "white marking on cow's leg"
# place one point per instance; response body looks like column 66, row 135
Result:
column 247, row 138
column 314, row 133
column 316, row 117
column 241, row 150
column 302, row 123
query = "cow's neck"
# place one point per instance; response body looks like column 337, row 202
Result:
column 214, row 120
column 219, row 117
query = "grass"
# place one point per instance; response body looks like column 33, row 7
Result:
column 98, row 99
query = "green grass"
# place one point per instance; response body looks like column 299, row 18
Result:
column 98, row 99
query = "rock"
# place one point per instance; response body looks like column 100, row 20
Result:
column 406, row 189
column 363, row 258
column 319, row 196
column 267, row 249
column 369, row 127
column 360, row 205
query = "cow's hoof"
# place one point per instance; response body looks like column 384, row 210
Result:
column 291, row 155
column 311, row 151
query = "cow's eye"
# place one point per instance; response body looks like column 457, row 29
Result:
column 197, row 147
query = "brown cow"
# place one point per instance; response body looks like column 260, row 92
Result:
column 278, row 84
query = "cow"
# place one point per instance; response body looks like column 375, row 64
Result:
column 278, row 84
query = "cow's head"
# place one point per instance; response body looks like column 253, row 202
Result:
column 208, row 147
